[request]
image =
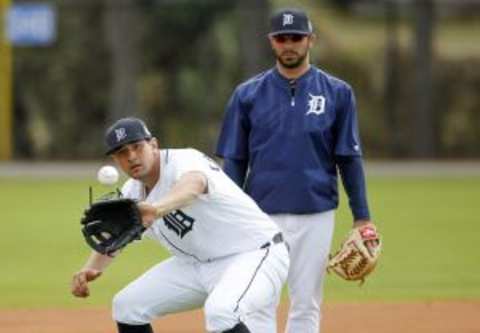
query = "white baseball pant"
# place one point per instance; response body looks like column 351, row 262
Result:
column 310, row 238
column 230, row 288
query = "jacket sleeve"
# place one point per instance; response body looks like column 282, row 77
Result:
column 233, row 139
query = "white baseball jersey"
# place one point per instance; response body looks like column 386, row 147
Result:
column 221, row 222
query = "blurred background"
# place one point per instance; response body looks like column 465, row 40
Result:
column 70, row 67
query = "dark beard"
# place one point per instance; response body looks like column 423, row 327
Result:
column 291, row 65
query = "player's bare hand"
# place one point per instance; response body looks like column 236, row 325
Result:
column 149, row 213
column 80, row 281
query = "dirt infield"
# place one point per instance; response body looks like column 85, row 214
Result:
column 431, row 317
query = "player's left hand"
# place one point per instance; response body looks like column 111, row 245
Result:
column 110, row 224
column 358, row 254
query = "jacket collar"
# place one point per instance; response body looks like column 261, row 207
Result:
column 279, row 78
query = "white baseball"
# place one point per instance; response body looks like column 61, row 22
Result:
column 107, row 175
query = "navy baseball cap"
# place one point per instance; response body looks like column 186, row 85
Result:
column 125, row 131
column 290, row 21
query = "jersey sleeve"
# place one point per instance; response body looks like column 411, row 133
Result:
column 194, row 160
column 233, row 139
column 346, row 126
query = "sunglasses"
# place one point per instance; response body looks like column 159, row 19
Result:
column 295, row 38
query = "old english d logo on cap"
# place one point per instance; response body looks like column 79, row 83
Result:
column 290, row 21
column 287, row 19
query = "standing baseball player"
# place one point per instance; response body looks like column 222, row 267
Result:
column 228, row 255
column 292, row 127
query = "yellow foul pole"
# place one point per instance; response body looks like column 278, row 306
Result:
column 5, row 86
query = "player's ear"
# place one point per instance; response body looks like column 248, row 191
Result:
column 117, row 161
column 114, row 157
column 270, row 39
column 154, row 143
column 311, row 40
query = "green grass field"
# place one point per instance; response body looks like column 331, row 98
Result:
column 430, row 227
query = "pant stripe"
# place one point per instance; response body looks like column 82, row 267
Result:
column 253, row 278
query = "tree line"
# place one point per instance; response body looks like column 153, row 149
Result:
column 175, row 64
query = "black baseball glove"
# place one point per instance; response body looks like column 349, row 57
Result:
column 111, row 224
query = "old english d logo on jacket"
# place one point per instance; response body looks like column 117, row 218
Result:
column 316, row 104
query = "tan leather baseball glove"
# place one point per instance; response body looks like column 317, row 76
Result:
column 358, row 254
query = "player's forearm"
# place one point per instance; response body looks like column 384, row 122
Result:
column 353, row 178
column 184, row 192
column 98, row 261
